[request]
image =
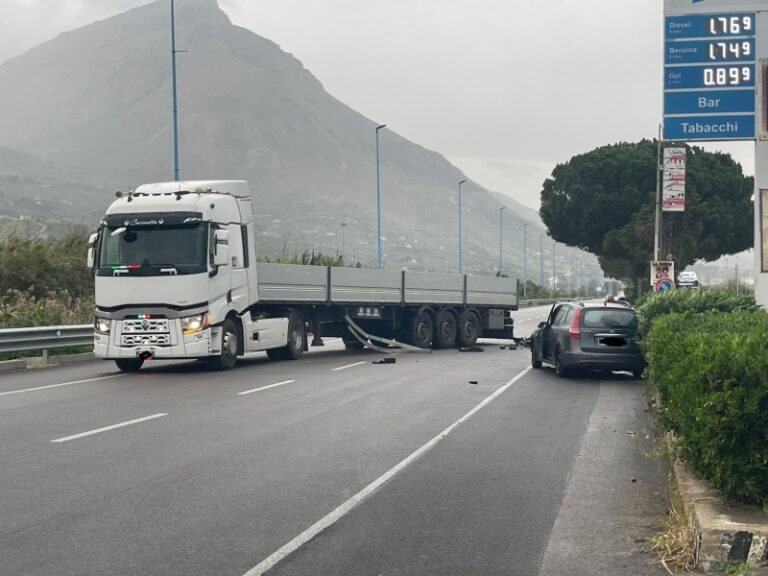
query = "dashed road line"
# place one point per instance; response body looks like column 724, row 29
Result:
column 266, row 387
column 100, row 430
column 62, row 384
column 347, row 366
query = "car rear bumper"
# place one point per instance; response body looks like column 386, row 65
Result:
column 598, row 361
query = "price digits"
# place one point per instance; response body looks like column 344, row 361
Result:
column 734, row 76
column 729, row 50
column 732, row 25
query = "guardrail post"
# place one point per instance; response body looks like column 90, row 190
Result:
column 45, row 356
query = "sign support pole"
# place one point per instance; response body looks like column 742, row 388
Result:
column 657, row 226
column 761, row 168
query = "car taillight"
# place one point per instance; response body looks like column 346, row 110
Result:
column 574, row 331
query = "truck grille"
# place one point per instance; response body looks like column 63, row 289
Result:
column 140, row 339
column 153, row 326
column 143, row 331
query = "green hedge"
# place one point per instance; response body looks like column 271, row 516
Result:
column 690, row 300
column 711, row 373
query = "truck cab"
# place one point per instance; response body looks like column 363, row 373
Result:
column 173, row 266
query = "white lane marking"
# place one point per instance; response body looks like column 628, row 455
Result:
column 99, row 430
column 347, row 366
column 62, row 384
column 265, row 387
column 332, row 517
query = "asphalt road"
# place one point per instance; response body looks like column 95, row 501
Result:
column 445, row 463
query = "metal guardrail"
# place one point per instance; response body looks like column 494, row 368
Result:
column 45, row 338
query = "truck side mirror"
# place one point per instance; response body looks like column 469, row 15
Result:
column 90, row 261
column 221, row 250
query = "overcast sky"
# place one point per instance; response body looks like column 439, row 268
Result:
column 505, row 89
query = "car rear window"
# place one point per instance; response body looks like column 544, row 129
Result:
column 608, row 318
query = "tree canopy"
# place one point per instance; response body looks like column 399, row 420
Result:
column 604, row 202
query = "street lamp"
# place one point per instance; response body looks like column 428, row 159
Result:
column 541, row 259
column 343, row 225
column 501, row 210
column 461, row 267
column 378, row 201
column 525, row 259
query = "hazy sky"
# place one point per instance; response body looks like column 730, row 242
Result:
column 505, row 89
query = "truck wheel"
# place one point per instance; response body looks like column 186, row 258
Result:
column 445, row 330
column 228, row 355
column 297, row 337
column 419, row 330
column 129, row 364
column 469, row 329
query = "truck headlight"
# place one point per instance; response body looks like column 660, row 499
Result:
column 102, row 325
column 194, row 324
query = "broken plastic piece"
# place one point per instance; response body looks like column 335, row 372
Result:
column 470, row 349
column 388, row 360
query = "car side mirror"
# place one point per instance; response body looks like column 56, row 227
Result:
column 542, row 324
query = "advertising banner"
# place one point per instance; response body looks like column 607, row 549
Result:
column 673, row 184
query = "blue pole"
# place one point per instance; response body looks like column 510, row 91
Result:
column 501, row 210
column 525, row 259
column 461, row 265
column 378, row 202
column 175, row 108
column 554, row 269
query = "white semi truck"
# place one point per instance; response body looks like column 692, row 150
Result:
column 176, row 277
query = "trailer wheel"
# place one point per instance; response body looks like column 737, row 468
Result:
column 445, row 330
column 469, row 328
column 129, row 364
column 419, row 330
column 228, row 356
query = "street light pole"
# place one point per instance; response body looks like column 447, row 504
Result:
column 175, row 107
column 554, row 271
column 541, row 260
column 525, row 259
column 378, row 201
column 461, row 266
column 343, row 225
column 501, row 210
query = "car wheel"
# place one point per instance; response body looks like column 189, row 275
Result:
column 535, row 362
column 560, row 370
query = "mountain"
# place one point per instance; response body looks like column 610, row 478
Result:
column 95, row 103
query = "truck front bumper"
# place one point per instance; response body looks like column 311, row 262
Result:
column 188, row 346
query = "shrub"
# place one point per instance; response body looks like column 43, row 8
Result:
column 21, row 309
column 711, row 373
column 690, row 300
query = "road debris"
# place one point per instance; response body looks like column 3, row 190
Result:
column 385, row 360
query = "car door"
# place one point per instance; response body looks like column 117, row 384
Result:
column 559, row 332
column 550, row 336
column 541, row 334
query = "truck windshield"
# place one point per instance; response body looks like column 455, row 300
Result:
column 154, row 250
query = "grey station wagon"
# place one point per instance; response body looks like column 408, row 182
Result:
column 588, row 337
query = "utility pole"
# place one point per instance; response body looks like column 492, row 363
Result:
column 657, row 225
column 175, row 106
